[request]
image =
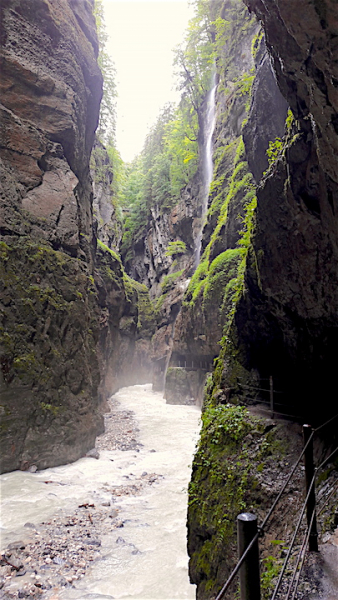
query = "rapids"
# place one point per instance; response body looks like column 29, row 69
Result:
column 146, row 558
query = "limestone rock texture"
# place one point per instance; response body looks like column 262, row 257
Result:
column 126, row 326
column 106, row 216
column 199, row 326
column 286, row 321
column 283, row 321
column 150, row 263
column 166, row 275
column 266, row 119
column 50, row 88
column 242, row 74
column 184, row 386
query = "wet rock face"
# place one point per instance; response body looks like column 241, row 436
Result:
column 167, row 275
column 287, row 322
column 126, row 326
column 106, row 219
column 50, row 93
column 302, row 39
column 150, row 262
column 199, row 326
column 50, row 89
column 184, row 386
column 266, row 117
column 49, row 371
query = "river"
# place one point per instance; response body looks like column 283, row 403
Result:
column 144, row 556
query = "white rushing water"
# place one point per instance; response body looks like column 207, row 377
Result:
column 151, row 562
column 207, row 160
column 210, row 126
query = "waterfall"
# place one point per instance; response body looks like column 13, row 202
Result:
column 207, row 163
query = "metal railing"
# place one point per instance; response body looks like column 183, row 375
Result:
column 248, row 566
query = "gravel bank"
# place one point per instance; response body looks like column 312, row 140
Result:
column 57, row 552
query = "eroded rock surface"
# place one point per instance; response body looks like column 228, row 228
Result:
column 286, row 322
column 50, row 93
column 284, row 319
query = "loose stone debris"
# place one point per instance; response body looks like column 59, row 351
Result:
column 58, row 552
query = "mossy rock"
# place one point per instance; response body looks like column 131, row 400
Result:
column 48, row 336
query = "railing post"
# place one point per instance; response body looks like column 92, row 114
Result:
column 311, row 503
column 271, row 398
column 249, row 577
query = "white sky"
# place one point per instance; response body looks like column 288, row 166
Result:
column 142, row 35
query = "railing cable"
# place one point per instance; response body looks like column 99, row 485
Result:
column 327, row 459
column 301, row 556
column 252, row 387
column 293, row 539
column 326, row 423
column 334, row 489
column 286, row 483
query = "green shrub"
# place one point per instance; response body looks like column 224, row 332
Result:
column 175, row 248
column 170, row 280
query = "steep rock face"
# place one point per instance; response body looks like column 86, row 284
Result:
column 209, row 298
column 151, row 262
column 165, row 272
column 49, row 369
column 126, row 315
column 286, row 322
column 50, row 93
column 127, row 324
column 184, row 385
column 206, row 306
column 106, row 216
column 302, row 40
column 267, row 113
column 199, row 326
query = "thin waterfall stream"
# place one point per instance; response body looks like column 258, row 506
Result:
column 132, row 505
column 207, row 162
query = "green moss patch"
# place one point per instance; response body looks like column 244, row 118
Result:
column 49, row 316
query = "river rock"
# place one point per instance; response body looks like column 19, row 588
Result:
column 93, row 453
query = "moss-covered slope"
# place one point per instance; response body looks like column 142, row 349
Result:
column 49, row 367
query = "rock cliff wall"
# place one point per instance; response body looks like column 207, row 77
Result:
column 65, row 301
column 245, row 74
column 126, row 325
column 286, row 322
column 107, row 215
column 50, row 96
column 283, row 319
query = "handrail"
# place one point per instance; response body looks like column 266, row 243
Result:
column 293, row 539
column 238, row 566
column 300, row 559
column 266, row 519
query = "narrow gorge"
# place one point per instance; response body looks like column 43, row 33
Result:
column 206, row 267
